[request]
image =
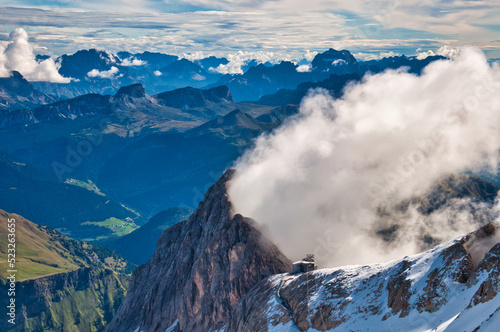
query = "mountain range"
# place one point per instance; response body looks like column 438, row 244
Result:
column 132, row 145
column 96, row 71
column 17, row 93
column 132, row 138
column 216, row 271
column 130, row 163
column 452, row 287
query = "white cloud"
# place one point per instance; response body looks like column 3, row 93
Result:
column 19, row 56
column 222, row 4
column 277, row 29
column 132, row 62
column 309, row 56
column 318, row 182
column 236, row 61
column 111, row 73
column 157, row 73
column 240, row 58
column 445, row 50
column 375, row 56
column 198, row 55
column 110, row 58
column 448, row 51
column 232, row 67
column 339, row 62
column 282, row 26
column 424, row 55
column 4, row 71
column 304, row 68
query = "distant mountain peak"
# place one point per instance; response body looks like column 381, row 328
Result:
column 16, row 83
column 332, row 59
column 236, row 118
column 190, row 97
column 134, row 91
column 17, row 96
column 335, row 54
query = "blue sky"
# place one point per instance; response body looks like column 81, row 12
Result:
column 266, row 29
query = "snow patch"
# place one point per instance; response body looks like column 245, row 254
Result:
column 198, row 77
column 172, row 327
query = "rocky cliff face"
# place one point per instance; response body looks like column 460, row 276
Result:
column 201, row 269
column 452, row 287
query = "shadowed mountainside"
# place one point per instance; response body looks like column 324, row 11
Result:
column 201, row 268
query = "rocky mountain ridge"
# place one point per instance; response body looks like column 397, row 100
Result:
column 453, row 287
column 216, row 272
column 133, row 104
column 201, row 268
column 17, row 93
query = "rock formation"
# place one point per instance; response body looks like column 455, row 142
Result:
column 201, row 269
column 439, row 289
column 216, row 272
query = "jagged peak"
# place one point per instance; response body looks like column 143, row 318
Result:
column 217, row 194
column 201, row 268
column 134, row 91
column 332, row 55
column 16, row 83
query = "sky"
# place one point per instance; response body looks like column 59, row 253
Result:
column 275, row 29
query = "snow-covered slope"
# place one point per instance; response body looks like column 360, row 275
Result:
column 438, row 290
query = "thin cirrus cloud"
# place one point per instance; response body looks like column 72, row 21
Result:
column 284, row 27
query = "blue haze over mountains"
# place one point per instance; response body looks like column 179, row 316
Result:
column 148, row 141
column 258, row 79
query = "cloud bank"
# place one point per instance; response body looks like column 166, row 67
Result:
column 4, row 71
column 241, row 58
column 282, row 26
column 19, row 56
column 445, row 50
column 327, row 180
